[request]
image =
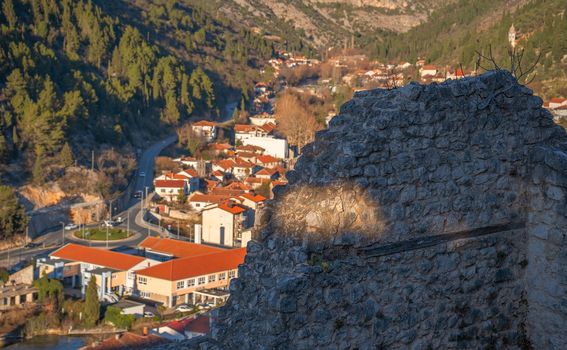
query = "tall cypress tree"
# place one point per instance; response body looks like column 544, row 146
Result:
column 92, row 304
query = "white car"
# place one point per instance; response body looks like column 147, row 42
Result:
column 142, row 174
column 108, row 223
column 149, row 314
column 204, row 306
column 183, row 308
column 69, row 227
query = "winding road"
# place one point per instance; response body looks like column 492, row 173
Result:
column 53, row 239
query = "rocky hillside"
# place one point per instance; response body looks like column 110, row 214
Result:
column 329, row 22
column 435, row 220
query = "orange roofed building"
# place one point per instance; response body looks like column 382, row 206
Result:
column 166, row 248
column 190, row 279
column 226, row 224
column 76, row 264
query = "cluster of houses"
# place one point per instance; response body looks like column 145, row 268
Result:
column 225, row 191
column 284, row 59
column 161, row 270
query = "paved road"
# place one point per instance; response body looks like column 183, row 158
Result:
column 51, row 240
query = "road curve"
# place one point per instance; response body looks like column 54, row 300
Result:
column 50, row 240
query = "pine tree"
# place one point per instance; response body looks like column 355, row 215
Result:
column 92, row 304
column 10, row 13
column 66, row 156
column 38, row 172
column 3, row 149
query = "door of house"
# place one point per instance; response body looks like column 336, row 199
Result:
column 222, row 235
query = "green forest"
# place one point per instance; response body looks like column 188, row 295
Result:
column 453, row 34
column 78, row 73
column 78, row 76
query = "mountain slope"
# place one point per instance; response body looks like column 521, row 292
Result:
column 96, row 73
column 452, row 35
column 329, row 22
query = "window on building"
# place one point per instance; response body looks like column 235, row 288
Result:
column 231, row 273
column 212, row 278
column 145, row 294
column 198, row 205
column 130, row 275
column 222, row 276
column 142, row 280
column 201, row 280
column 163, row 190
column 180, row 284
column 191, row 283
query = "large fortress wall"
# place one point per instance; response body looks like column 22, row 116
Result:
column 426, row 217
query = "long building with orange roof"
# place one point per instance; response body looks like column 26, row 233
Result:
column 76, row 264
column 186, row 280
column 166, row 248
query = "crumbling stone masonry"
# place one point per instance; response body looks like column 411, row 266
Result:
column 426, row 217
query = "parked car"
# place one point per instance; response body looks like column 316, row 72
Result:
column 138, row 194
column 119, row 220
column 204, row 306
column 71, row 226
column 149, row 314
column 142, row 174
column 183, row 308
column 31, row 245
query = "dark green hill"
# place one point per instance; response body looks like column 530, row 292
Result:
column 91, row 73
column 452, row 34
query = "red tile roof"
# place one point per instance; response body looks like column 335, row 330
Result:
column 241, row 163
column 179, row 249
column 97, row 256
column 127, row 341
column 173, row 176
column 220, row 146
column 268, row 127
column 228, row 192
column 170, row 183
column 250, row 148
column 254, row 197
column 190, row 172
column 237, row 185
column 267, row 159
column 429, row 67
column 266, row 171
column 204, row 123
column 194, row 266
column 208, row 198
column 557, row 100
column 199, row 324
column 226, row 163
column 254, row 180
column 232, row 207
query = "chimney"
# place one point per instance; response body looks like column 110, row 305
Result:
column 145, row 331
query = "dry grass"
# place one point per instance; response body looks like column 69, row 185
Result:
column 327, row 212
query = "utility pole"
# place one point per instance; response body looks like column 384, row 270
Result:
column 177, row 229
column 62, row 233
column 128, row 222
column 107, row 236
column 147, row 210
column 92, row 160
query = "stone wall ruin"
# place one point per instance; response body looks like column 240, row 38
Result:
column 458, row 242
